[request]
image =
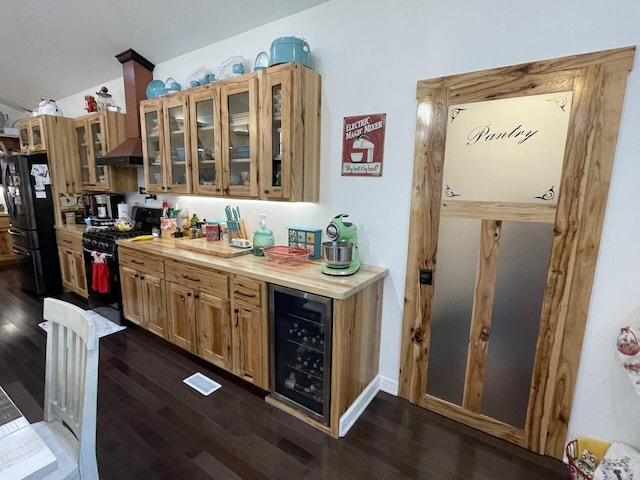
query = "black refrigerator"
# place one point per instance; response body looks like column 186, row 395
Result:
column 27, row 192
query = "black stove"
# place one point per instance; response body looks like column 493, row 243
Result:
column 99, row 245
column 104, row 241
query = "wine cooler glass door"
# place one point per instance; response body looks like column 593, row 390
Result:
column 301, row 349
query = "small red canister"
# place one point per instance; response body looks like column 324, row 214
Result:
column 90, row 103
column 212, row 230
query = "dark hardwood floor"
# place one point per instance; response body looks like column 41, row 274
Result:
column 152, row 426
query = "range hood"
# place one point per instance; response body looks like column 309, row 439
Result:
column 137, row 72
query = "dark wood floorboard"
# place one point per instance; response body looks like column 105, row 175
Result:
column 152, row 426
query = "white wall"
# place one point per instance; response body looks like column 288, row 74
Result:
column 371, row 53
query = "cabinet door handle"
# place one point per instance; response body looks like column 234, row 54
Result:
column 266, row 191
column 69, row 253
column 238, row 292
column 135, row 275
column 141, row 277
column 196, row 296
column 187, row 277
column 188, row 294
column 235, row 310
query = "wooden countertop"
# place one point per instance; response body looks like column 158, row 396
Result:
column 74, row 228
column 307, row 277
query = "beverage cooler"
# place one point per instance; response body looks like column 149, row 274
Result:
column 301, row 350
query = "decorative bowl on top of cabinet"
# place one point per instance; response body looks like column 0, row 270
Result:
column 96, row 135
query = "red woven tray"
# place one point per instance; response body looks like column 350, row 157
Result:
column 284, row 254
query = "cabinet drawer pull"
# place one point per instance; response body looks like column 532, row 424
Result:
column 67, row 241
column 137, row 262
column 187, row 277
column 238, row 292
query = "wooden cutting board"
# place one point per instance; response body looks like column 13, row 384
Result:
column 218, row 248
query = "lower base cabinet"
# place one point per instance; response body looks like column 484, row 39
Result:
column 72, row 270
column 250, row 330
column 143, row 291
column 6, row 244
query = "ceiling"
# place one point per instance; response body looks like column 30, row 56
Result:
column 70, row 45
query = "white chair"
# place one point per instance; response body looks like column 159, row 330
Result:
column 71, row 387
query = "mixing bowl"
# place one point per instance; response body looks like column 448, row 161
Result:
column 338, row 254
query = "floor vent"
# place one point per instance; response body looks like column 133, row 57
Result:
column 202, row 384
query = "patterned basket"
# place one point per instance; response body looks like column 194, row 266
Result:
column 579, row 468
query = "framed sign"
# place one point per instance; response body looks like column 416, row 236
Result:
column 508, row 150
column 363, row 145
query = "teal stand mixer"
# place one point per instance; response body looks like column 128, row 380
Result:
column 341, row 253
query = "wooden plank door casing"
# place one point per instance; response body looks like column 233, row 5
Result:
column 598, row 81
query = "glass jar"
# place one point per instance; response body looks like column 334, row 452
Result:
column 104, row 99
column 262, row 238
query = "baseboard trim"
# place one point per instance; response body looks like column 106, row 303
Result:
column 389, row 385
column 358, row 407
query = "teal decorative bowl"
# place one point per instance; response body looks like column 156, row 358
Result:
column 155, row 89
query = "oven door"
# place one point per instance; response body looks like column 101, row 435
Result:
column 103, row 282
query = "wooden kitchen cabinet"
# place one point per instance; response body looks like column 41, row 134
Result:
column 165, row 144
column 290, row 133
column 6, row 244
column 55, row 135
column 144, row 291
column 230, row 333
column 96, row 135
column 250, row 331
column 32, row 135
column 72, row 268
column 205, row 146
column 197, row 295
column 11, row 142
column 251, row 136
column 240, row 143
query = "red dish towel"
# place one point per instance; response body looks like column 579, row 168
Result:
column 100, row 273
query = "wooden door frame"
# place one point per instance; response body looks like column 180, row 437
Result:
column 598, row 81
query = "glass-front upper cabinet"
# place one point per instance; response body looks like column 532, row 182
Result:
column 206, row 144
column 240, row 147
column 278, row 136
column 91, row 140
column 177, row 157
column 152, row 145
column 290, row 132
column 32, row 137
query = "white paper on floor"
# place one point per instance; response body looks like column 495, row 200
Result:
column 202, row 383
column 104, row 326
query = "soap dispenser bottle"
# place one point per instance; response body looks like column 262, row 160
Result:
column 263, row 237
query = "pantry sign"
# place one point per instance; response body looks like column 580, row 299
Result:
column 363, row 145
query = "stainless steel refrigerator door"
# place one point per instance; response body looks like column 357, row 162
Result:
column 31, row 275
column 18, row 192
column 27, row 239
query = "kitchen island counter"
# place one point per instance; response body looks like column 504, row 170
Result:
column 306, row 277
